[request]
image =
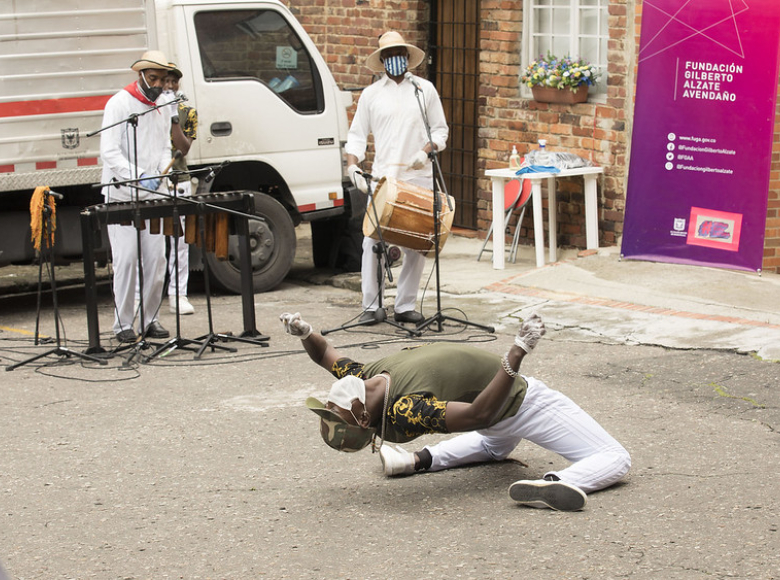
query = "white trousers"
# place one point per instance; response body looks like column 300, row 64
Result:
column 183, row 273
column 408, row 278
column 554, row 422
column 124, row 256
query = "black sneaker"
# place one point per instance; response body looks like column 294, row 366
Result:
column 368, row 318
column 156, row 330
column 127, row 335
column 555, row 495
column 411, row 316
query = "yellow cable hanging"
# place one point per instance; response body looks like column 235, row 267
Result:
column 36, row 216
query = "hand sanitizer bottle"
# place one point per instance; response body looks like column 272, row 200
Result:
column 514, row 159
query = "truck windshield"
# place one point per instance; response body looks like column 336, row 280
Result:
column 259, row 45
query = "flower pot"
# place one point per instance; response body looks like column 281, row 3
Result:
column 551, row 95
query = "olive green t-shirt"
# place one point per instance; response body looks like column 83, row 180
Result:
column 423, row 379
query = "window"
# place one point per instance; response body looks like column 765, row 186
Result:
column 259, row 45
column 577, row 28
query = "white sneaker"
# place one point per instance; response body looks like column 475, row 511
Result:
column 541, row 493
column 396, row 461
column 184, row 305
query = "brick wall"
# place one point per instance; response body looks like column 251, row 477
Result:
column 346, row 32
column 772, row 239
column 595, row 131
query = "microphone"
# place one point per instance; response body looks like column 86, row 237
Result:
column 410, row 77
column 393, row 254
column 214, row 171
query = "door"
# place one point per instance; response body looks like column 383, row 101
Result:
column 454, row 47
column 261, row 96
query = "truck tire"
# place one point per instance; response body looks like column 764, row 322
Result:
column 273, row 250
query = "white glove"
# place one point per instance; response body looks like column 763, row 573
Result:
column 419, row 159
column 530, row 332
column 294, row 325
column 357, row 178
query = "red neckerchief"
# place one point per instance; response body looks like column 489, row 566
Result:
column 135, row 90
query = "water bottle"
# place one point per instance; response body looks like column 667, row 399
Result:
column 514, row 159
column 543, row 156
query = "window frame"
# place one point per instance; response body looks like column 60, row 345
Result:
column 529, row 51
column 311, row 70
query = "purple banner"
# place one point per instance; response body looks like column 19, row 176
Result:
column 704, row 121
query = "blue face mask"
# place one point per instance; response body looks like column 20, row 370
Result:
column 396, row 65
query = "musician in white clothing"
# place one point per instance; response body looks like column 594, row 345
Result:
column 389, row 110
column 123, row 160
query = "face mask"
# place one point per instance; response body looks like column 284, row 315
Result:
column 151, row 92
column 396, row 65
column 346, row 390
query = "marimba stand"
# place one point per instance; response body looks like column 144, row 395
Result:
column 238, row 203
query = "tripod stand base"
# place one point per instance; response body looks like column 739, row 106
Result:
column 380, row 315
column 208, row 341
column 171, row 345
column 438, row 318
column 255, row 338
column 59, row 351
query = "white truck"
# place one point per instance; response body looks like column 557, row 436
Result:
column 266, row 103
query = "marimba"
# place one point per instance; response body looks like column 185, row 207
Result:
column 240, row 204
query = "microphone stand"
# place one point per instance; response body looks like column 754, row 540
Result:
column 176, row 341
column 380, row 248
column 47, row 254
column 438, row 317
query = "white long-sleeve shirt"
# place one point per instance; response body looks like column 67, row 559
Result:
column 391, row 112
column 116, row 144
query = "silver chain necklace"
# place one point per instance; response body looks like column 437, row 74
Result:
column 374, row 447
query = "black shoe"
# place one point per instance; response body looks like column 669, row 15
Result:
column 127, row 335
column 368, row 318
column 541, row 493
column 410, row 316
column 156, row 330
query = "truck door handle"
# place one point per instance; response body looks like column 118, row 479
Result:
column 221, row 129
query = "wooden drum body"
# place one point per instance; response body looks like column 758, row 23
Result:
column 406, row 216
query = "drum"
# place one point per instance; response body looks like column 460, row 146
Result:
column 406, row 216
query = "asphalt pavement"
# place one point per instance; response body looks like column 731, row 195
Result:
column 176, row 467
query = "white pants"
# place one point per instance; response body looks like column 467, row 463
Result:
column 183, row 274
column 408, row 279
column 554, row 422
column 124, row 256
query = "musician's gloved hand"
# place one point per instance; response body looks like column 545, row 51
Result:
column 419, row 159
column 357, row 179
column 294, row 325
column 531, row 331
column 149, row 183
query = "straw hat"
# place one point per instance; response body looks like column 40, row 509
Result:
column 175, row 70
column 151, row 59
column 390, row 40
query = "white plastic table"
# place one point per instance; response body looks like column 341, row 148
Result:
column 499, row 177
